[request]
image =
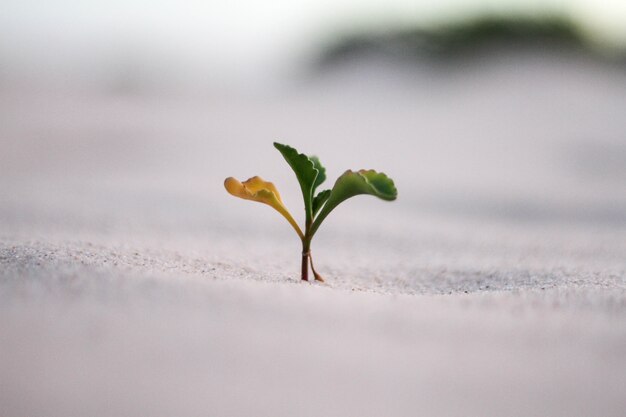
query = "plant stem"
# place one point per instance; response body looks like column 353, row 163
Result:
column 306, row 253
column 306, row 249
column 305, row 265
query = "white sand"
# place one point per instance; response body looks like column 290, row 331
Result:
column 132, row 284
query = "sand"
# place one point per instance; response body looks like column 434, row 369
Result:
column 132, row 284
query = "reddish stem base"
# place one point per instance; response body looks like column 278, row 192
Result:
column 305, row 266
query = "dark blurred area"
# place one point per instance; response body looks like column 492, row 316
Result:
column 462, row 43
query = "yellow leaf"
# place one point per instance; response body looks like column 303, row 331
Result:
column 256, row 189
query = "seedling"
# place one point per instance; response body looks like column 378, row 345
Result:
column 311, row 174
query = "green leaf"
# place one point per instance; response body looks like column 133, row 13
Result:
column 305, row 171
column 321, row 177
column 350, row 184
column 319, row 200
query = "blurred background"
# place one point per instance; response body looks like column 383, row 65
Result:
column 127, row 115
column 199, row 47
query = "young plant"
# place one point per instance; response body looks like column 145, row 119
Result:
column 317, row 206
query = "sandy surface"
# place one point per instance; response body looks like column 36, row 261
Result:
column 132, row 284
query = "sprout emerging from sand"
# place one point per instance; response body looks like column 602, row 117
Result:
column 311, row 174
